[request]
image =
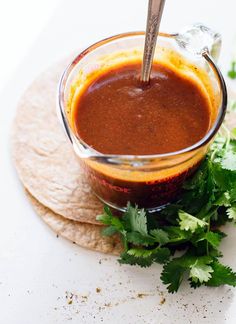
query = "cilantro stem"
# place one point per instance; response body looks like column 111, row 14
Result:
column 207, row 243
column 207, row 248
column 227, row 137
column 212, row 156
column 125, row 243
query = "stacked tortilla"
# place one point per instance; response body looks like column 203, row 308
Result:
column 50, row 171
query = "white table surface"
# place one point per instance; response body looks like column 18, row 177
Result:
column 37, row 269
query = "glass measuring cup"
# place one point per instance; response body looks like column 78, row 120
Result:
column 149, row 181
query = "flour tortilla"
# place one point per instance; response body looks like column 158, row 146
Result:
column 44, row 158
column 86, row 235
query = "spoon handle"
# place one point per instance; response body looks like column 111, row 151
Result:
column 155, row 9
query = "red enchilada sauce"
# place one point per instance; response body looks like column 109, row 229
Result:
column 116, row 115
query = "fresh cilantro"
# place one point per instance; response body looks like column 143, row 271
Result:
column 213, row 238
column 222, row 275
column 145, row 258
column 191, row 224
column 176, row 235
column 108, row 219
column 138, row 239
column 232, row 71
column 233, row 133
column 136, row 219
column 125, row 258
column 160, row 236
column 109, row 231
column 200, row 271
column 172, row 275
column 231, row 212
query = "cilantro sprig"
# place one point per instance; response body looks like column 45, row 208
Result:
column 185, row 236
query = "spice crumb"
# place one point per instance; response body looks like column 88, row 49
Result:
column 141, row 295
column 162, row 301
column 84, row 297
column 98, row 290
column 107, row 304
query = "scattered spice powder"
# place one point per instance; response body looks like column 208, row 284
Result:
column 69, row 297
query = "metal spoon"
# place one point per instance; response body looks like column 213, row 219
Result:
column 155, row 9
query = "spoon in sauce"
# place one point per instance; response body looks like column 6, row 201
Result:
column 155, row 10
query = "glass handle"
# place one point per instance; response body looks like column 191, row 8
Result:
column 199, row 39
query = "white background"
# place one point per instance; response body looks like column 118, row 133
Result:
column 36, row 268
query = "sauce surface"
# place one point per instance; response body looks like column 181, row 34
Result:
column 115, row 115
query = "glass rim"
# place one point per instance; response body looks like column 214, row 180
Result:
column 98, row 155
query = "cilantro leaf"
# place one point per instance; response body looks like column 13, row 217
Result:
column 136, row 219
column 229, row 161
column 104, row 218
column 223, row 199
column 144, row 258
column 189, row 222
column 162, row 255
column 213, row 238
column 176, row 235
column 172, row 275
column 139, row 239
column 158, row 254
column 231, row 212
column 126, row 258
column 233, row 132
column 138, row 252
column 222, row 275
column 225, row 158
column 108, row 219
column 160, row 236
column 200, row 271
column 109, row 231
column 232, row 71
